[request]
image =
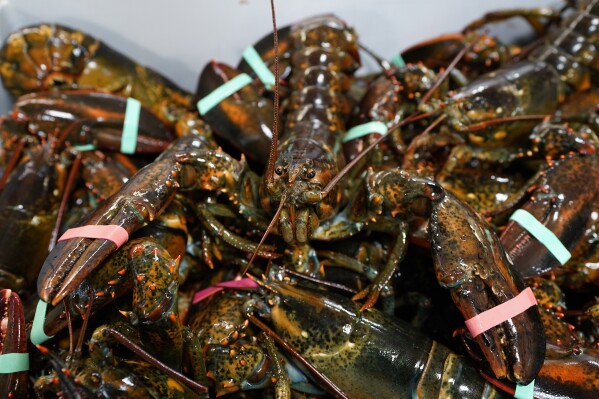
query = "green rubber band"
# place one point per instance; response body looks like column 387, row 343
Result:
column 542, row 234
column 84, row 147
column 398, row 61
column 131, row 126
column 365, row 129
column 14, row 362
column 525, row 391
column 38, row 335
column 222, row 92
column 251, row 56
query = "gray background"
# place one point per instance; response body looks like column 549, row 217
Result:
column 178, row 37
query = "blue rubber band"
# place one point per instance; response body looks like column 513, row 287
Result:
column 14, row 362
column 251, row 56
column 222, row 92
column 542, row 234
column 84, row 147
column 525, row 391
column 131, row 126
column 38, row 335
column 398, row 61
column 365, row 129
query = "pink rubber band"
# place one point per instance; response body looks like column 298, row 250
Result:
column 112, row 232
column 500, row 313
column 206, row 292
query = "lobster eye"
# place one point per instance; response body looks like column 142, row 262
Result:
column 279, row 170
column 310, row 173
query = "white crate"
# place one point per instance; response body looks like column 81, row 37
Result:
column 178, row 37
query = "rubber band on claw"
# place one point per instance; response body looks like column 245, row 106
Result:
column 130, row 126
column 525, row 391
column 222, row 92
column 112, row 232
column 398, row 61
column 206, row 292
column 14, row 362
column 500, row 313
column 38, row 335
column 542, row 234
column 251, row 56
column 364, row 129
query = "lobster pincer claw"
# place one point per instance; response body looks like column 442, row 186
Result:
column 471, row 263
column 13, row 345
column 139, row 201
column 571, row 192
column 191, row 162
column 244, row 119
column 103, row 115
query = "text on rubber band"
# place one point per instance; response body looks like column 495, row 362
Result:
column 112, row 232
column 542, row 234
column 222, row 92
column 365, row 129
column 251, row 56
column 500, row 313
column 38, row 335
column 130, row 126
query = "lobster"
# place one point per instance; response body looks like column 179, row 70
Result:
column 381, row 204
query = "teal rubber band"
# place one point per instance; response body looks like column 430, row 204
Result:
column 222, row 92
column 398, row 61
column 364, row 129
column 84, row 147
column 14, row 362
column 38, row 335
column 131, row 126
column 251, row 56
column 542, row 234
column 525, row 391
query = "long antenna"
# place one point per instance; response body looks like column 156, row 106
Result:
column 270, row 168
column 268, row 230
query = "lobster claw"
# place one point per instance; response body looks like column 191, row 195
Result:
column 104, row 115
column 471, row 263
column 571, row 191
column 13, row 339
column 244, row 119
column 138, row 202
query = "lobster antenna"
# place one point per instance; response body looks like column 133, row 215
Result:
column 268, row 230
column 270, row 168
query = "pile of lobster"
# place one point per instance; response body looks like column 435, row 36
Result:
column 164, row 264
